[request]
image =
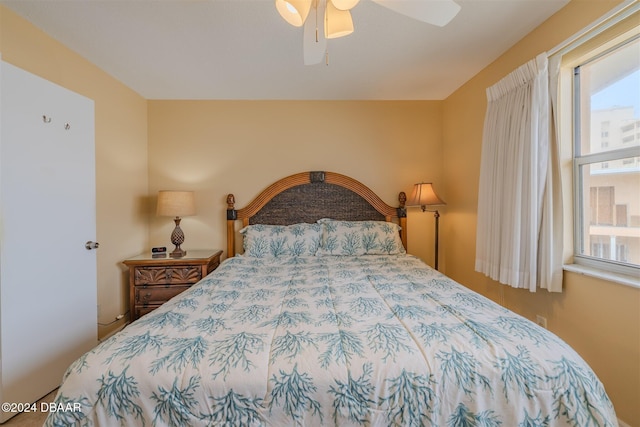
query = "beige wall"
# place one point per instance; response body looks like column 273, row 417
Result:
column 121, row 151
column 600, row 319
column 240, row 147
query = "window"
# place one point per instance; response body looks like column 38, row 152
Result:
column 606, row 158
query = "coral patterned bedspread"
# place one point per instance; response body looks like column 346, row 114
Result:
column 332, row 340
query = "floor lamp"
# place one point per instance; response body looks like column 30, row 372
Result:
column 424, row 195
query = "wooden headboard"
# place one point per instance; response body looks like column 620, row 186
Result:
column 310, row 196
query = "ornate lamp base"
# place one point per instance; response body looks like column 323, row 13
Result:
column 177, row 253
column 177, row 238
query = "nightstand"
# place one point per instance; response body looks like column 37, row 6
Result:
column 154, row 281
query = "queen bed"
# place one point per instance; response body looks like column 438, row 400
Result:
column 326, row 320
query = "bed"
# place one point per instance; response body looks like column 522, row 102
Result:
column 326, row 320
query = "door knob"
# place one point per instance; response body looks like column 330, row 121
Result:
column 91, row 245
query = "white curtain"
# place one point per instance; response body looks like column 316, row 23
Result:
column 519, row 210
column 552, row 231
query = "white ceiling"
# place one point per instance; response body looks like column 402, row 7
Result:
column 243, row 49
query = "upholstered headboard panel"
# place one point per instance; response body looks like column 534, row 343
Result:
column 309, row 203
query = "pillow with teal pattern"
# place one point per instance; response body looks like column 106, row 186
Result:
column 360, row 238
column 276, row 241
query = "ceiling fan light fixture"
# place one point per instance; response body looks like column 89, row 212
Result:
column 344, row 4
column 337, row 23
column 294, row 11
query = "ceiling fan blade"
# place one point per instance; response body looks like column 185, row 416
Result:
column 314, row 43
column 435, row 12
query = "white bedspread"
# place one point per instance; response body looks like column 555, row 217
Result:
column 349, row 341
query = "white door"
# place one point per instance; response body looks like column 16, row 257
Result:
column 48, row 307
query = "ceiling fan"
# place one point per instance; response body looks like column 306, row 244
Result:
column 329, row 19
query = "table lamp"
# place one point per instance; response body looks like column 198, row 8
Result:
column 176, row 204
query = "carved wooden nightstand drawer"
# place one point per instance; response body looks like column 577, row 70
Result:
column 166, row 275
column 154, row 281
column 142, row 310
column 157, row 295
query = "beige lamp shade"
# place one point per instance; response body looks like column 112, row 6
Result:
column 337, row 23
column 424, row 195
column 176, row 203
column 294, row 11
